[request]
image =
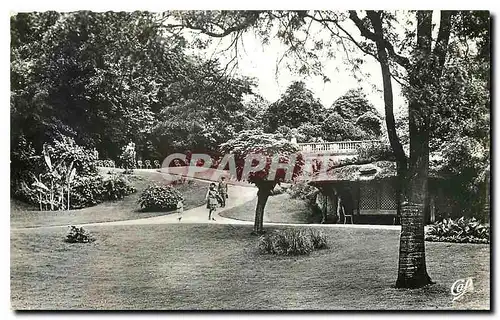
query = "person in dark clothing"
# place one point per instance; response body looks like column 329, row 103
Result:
column 212, row 198
column 223, row 191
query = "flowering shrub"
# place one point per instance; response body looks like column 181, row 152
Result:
column 318, row 239
column 86, row 191
column 106, row 163
column 159, row 197
column 117, row 187
column 461, row 230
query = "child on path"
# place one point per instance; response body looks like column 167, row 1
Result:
column 180, row 209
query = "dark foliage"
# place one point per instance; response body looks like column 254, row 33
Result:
column 159, row 197
column 78, row 235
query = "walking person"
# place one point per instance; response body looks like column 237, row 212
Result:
column 212, row 198
column 180, row 209
column 223, row 191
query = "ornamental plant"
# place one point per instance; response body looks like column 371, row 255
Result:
column 158, row 197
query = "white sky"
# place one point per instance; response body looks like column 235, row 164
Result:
column 259, row 61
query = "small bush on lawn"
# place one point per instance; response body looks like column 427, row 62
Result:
column 78, row 235
column 117, row 187
column 292, row 242
column 461, row 231
column 318, row 239
column 159, row 197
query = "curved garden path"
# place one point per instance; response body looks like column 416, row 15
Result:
column 238, row 195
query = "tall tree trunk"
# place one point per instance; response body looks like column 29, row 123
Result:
column 265, row 188
column 427, row 69
column 412, row 271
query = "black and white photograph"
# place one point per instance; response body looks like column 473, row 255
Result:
column 259, row 160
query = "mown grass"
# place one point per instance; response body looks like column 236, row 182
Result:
column 279, row 209
column 125, row 209
column 152, row 267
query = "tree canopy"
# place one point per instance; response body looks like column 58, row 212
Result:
column 295, row 107
column 106, row 79
column 264, row 159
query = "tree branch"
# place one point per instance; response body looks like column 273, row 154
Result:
column 324, row 21
column 396, row 145
column 443, row 39
column 250, row 20
column 365, row 32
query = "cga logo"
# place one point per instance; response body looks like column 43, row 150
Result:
column 461, row 287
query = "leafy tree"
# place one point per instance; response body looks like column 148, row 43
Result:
column 351, row 117
column 254, row 107
column 106, row 79
column 352, row 105
column 208, row 111
column 336, row 128
column 253, row 147
column 463, row 160
column 308, row 132
column 93, row 76
column 295, row 107
column 418, row 67
column 371, row 124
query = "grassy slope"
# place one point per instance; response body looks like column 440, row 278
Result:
column 279, row 209
column 218, row 267
column 125, row 209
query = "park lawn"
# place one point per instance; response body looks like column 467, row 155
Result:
column 152, row 267
column 125, row 209
column 279, row 209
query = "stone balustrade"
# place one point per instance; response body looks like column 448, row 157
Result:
column 338, row 147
